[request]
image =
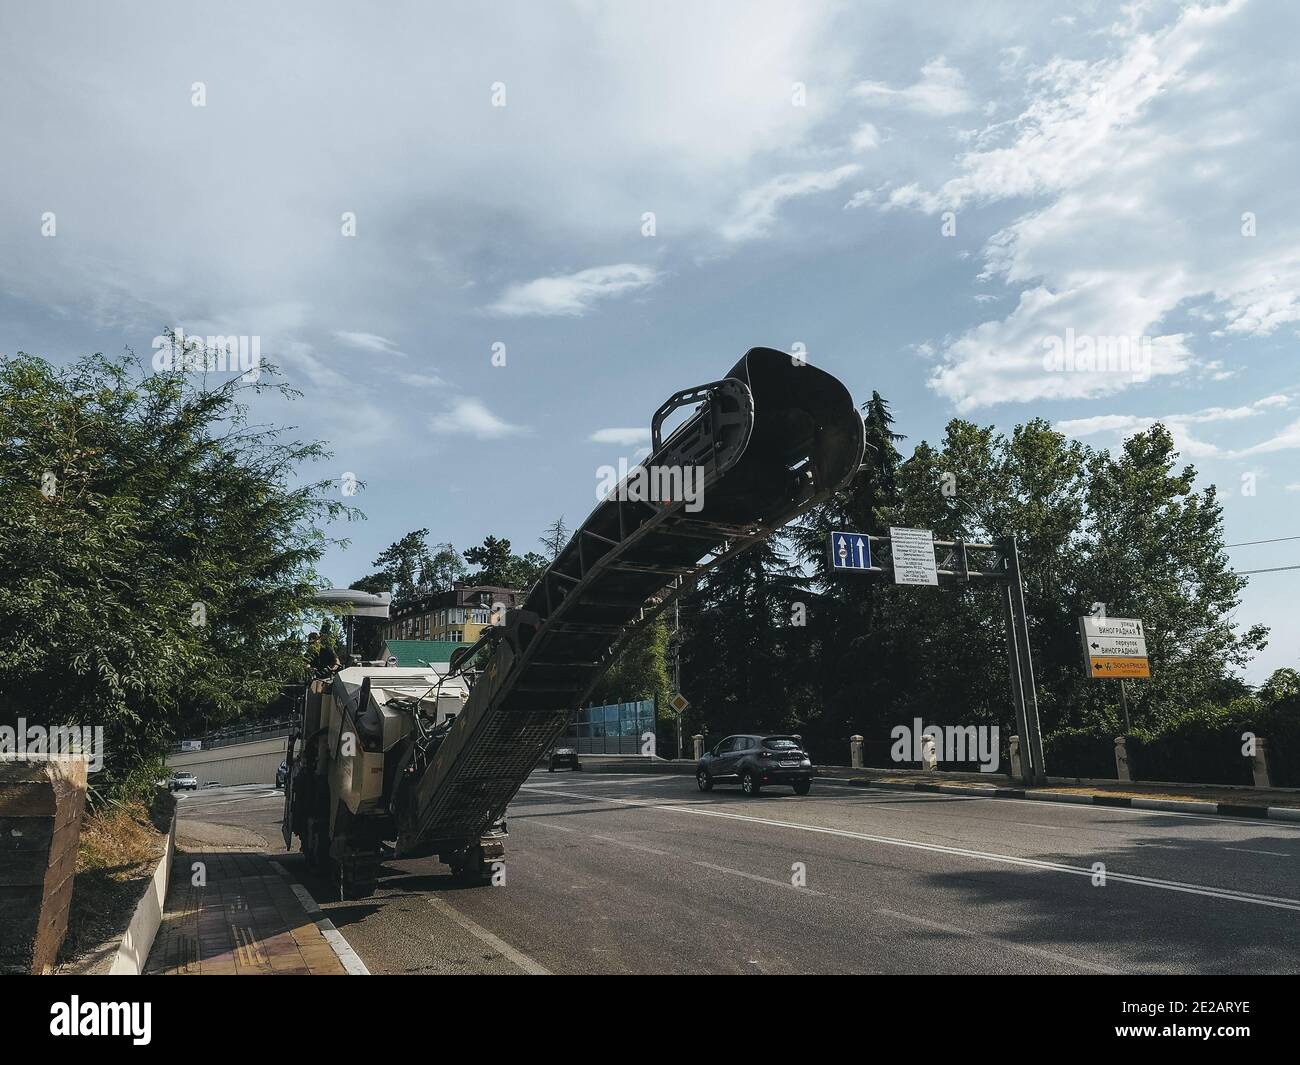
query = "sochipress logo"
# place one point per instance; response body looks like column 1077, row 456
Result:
column 652, row 484
column 212, row 354
column 58, row 741
column 74, row 1017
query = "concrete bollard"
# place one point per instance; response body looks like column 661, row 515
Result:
column 929, row 756
column 1259, row 763
column 1121, row 760
column 698, row 742
column 855, row 752
column 1013, row 745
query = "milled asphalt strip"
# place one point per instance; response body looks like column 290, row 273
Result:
column 342, row 948
column 985, row 856
column 1191, row 809
column 1010, row 944
column 503, row 948
column 1051, row 955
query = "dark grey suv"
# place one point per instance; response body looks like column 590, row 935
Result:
column 755, row 762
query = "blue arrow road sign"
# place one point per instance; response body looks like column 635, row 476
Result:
column 850, row 550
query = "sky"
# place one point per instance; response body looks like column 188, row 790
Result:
column 487, row 241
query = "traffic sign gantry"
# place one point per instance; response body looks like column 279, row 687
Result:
column 849, row 550
column 1114, row 648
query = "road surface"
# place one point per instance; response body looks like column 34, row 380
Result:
column 643, row 874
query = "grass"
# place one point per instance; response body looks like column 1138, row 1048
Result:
column 119, row 847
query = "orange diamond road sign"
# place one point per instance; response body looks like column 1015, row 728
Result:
column 678, row 703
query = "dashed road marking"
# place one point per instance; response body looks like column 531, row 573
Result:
column 1227, row 894
column 518, row 957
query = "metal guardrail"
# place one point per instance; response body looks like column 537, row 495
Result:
column 268, row 730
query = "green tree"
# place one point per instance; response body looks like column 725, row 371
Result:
column 639, row 672
column 744, row 649
column 1155, row 550
column 1281, row 684
column 498, row 565
column 157, row 550
column 555, row 538
column 850, row 690
column 409, row 570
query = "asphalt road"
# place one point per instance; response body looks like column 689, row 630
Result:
column 643, row 874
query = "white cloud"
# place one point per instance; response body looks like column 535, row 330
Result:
column 757, row 208
column 1179, row 426
column 865, row 138
column 368, row 342
column 621, row 437
column 470, row 416
column 1286, row 440
column 1137, row 168
column 421, row 380
column 941, row 91
column 573, row 295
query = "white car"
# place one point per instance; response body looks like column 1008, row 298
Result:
column 184, row 782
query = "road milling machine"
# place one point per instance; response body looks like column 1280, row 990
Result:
column 389, row 761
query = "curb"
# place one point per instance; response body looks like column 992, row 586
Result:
column 342, row 948
column 1186, row 806
column 133, row 949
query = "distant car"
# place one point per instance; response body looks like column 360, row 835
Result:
column 183, row 782
column 282, row 774
column 756, row 762
column 565, row 758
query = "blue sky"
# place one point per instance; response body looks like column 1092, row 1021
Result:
column 922, row 196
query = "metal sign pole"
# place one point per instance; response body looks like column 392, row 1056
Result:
column 1030, row 694
column 1017, row 687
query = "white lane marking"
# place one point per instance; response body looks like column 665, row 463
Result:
column 1055, row 807
column 1247, row 850
column 1227, row 894
column 349, row 958
column 1022, row 947
column 952, row 929
column 666, row 854
column 522, row 960
column 630, row 845
column 760, row 879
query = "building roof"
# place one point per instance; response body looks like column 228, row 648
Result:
column 418, row 652
column 459, row 594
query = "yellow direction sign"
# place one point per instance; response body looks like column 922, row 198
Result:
column 1114, row 648
column 1110, row 668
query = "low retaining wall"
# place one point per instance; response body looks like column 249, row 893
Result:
column 41, row 803
column 137, row 941
column 240, row 763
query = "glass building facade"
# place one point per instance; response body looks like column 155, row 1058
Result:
column 613, row 729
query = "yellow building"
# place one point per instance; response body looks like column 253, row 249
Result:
column 458, row 615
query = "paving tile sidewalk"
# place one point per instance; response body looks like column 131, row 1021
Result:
column 245, row 921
